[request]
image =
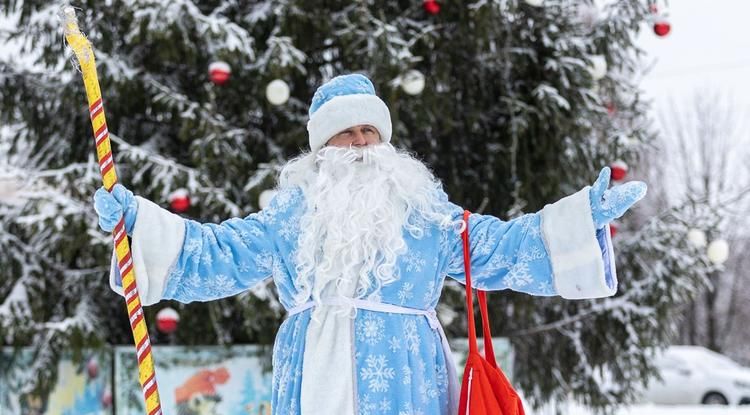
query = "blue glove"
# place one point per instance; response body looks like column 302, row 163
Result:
column 111, row 206
column 609, row 204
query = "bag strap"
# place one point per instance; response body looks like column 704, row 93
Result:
column 469, row 294
column 489, row 350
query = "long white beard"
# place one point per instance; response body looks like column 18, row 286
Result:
column 359, row 203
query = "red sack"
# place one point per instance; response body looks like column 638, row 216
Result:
column 485, row 389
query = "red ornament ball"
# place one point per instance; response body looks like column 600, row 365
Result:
column 662, row 28
column 431, row 7
column 179, row 201
column 613, row 226
column 92, row 368
column 219, row 72
column 619, row 170
column 167, row 320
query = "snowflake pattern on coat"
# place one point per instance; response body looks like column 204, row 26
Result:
column 399, row 364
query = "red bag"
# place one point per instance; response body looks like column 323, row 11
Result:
column 485, row 389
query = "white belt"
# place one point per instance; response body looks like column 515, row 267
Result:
column 453, row 383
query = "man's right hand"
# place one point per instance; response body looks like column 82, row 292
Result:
column 111, row 206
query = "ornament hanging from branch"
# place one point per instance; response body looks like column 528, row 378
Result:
column 277, row 92
column 219, row 72
column 179, row 201
column 431, row 7
column 619, row 170
column 661, row 25
column 413, row 82
column 535, row 3
column 167, row 320
column 718, row 251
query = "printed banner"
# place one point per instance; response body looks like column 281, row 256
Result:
column 82, row 388
column 206, row 380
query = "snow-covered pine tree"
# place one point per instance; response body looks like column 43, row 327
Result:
column 513, row 116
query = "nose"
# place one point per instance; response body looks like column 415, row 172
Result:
column 358, row 138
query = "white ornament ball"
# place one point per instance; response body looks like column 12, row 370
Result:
column 718, row 251
column 413, row 82
column 598, row 68
column 535, row 3
column 265, row 198
column 277, row 92
column 697, row 238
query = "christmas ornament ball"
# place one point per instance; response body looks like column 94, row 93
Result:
column 179, row 201
column 413, row 82
column 431, row 7
column 277, row 92
column 219, row 72
column 619, row 170
column 167, row 320
column 718, row 251
column 662, row 28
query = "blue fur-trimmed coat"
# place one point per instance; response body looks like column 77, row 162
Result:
column 397, row 363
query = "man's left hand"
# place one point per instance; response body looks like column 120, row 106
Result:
column 609, row 204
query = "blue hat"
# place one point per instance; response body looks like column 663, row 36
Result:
column 343, row 102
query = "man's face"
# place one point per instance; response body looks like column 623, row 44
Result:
column 357, row 136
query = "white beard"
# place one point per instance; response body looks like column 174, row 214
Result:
column 359, row 203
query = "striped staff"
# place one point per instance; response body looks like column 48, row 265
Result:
column 85, row 56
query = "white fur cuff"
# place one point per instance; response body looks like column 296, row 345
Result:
column 346, row 111
column 156, row 243
column 577, row 258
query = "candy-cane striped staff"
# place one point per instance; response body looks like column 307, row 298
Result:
column 85, row 56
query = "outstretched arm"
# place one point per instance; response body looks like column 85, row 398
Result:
column 565, row 249
column 181, row 259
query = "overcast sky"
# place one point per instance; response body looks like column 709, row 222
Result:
column 708, row 50
column 708, row 47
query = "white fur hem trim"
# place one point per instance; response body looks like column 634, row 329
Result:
column 328, row 371
column 570, row 236
column 346, row 111
column 156, row 243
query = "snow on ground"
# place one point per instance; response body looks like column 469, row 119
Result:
column 683, row 410
column 654, row 410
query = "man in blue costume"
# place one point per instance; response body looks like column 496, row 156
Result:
column 359, row 240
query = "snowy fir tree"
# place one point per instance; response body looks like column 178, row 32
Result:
column 521, row 105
